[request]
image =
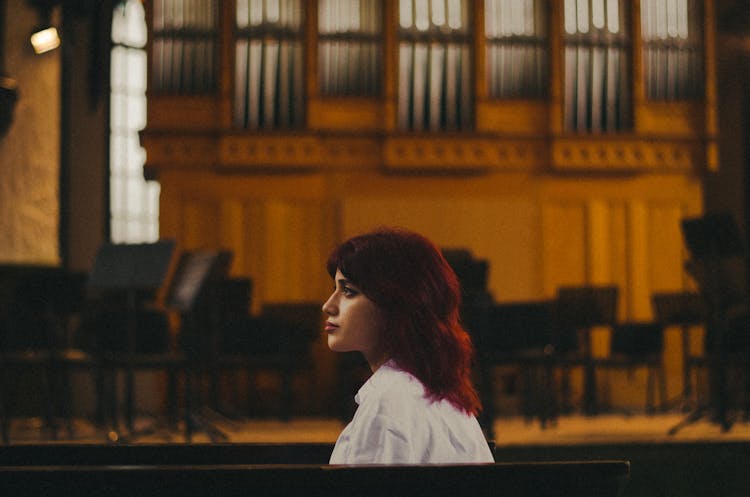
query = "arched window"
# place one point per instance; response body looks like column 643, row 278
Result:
column 133, row 201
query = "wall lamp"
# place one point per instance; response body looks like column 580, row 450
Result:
column 45, row 37
column 45, row 40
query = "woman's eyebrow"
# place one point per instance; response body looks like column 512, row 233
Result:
column 343, row 282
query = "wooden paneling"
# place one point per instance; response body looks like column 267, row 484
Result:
column 599, row 153
column 637, row 293
column 676, row 118
column 564, row 245
column 537, row 232
column 448, row 152
column 631, row 238
column 278, row 232
column 503, row 230
column 281, row 227
column 619, row 260
column 667, row 252
column 199, row 222
column 517, row 117
column 183, row 112
column 339, row 114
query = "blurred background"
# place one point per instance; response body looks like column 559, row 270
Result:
column 178, row 171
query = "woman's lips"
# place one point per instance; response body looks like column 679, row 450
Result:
column 330, row 327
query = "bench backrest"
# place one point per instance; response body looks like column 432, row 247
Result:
column 560, row 479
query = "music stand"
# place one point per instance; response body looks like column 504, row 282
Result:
column 131, row 270
column 713, row 236
column 711, row 239
column 131, row 266
column 190, row 286
column 194, row 270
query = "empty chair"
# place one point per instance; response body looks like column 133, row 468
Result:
column 520, row 335
column 686, row 310
column 33, row 337
column 639, row 344
column 278, row 340
column 578, row 310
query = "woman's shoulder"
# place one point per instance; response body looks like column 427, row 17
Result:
column 391, row 386
column 393, row 379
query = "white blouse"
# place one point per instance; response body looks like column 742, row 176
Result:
column 396, row 423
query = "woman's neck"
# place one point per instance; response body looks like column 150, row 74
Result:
column 378, row 361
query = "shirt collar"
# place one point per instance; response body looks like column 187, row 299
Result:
column 377, row 378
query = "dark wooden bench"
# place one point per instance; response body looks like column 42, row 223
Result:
column 187, row 470
column 160, row 454
column 559, row 479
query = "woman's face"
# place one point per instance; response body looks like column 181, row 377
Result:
column 354, row 322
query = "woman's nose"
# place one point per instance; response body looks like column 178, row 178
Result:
column 329, row 307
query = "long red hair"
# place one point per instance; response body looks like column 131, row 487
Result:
column 418, row 292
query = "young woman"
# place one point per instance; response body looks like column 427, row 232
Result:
column 396, row 301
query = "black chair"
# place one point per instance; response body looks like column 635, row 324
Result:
column 278, row 340
column 579, row 309
column 37, row 306
column 639, row 344
column 228, row 301
column 26, row 344
column 519, row 335
column 687, row 311
column 473, row 274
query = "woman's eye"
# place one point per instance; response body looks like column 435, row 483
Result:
column 348, row 291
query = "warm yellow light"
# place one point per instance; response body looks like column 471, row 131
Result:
column 45, row 40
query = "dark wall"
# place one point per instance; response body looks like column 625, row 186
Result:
column 728, row 189
column 85, row 132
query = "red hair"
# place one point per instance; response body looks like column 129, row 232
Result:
column 418, row 292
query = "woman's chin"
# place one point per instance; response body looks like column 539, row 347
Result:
column 334, row 344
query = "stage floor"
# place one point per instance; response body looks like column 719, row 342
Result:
column 510, row 432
